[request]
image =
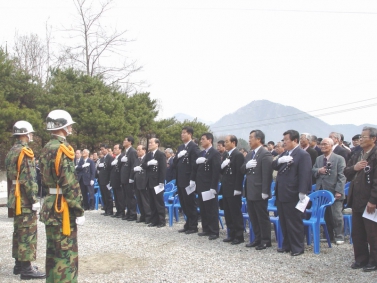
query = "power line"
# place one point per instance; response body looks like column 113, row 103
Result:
column 301, row 113
column 301, row 118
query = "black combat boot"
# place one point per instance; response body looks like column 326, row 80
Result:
column 29, row 272
column 17, row 267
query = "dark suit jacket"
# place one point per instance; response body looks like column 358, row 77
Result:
column 342, row 152
column 296, row 178
column 170, row 170
column 184, row 165
column 155, row 173
column 318, row 150
column 336, row 180
column 207, row 174
column 232, row 176
column 88, row 173
column 115, row 173
column 313, row 154
column 140, row 178
column 104, row 172
column 259, row 178
column 127, row 167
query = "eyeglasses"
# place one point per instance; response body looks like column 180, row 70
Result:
column 324, row 144
column 364, row 137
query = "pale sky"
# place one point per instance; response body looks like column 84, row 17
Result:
column 209, row 58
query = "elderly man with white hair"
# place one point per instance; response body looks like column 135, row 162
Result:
column 328, row 172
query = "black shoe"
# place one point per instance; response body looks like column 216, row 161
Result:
column 147, row 222
column 369, row 268
column 115, row 215
column 228, row 240
column 108, row 214
column 119, row 216
column 29, row 272
column 213, row 237
column 104, row 213
column 191, row 231
column 357, row 265
column 182, row 230
column 201, row 234
column 140, row 221
column 125, row 218
column 252, row 245
column 152, row 225
column 237, row 241
column 161, row 225
column 131, row 219
column 297, row 254
column 283, row 251
column 262, row 246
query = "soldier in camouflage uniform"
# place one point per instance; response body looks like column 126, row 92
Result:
column 62, row 208
column 20, row 167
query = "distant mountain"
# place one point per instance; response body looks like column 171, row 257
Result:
column 181, row 117
column 273, row 119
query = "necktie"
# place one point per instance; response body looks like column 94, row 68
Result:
column 204, row 153
column 324, row 161
column 139, row 158
column 253, row 154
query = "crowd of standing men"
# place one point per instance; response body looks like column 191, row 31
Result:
column 137, row 178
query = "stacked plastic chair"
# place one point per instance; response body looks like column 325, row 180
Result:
column 347, row 218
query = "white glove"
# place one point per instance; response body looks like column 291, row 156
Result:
column 251, row 164
column 36, row 206
column 115, row 161
column 200, row 160
column 130, row 181
column 181, row 153
column 192, row 183
column 108, row 186
column 285, row 159
column 76, row 166
column 213, row 191
column 301, row 196
column 124, row 159
column 152, row 162
column 236, row 193
column 161, row 185
column 264, row 196
column 85, row 165
column 225, row 163
column 91, row 182
column 101, row 165
column 80, row 220
column 137, row 168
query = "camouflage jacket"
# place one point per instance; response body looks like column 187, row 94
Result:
column 27, row 179
column 69, row 187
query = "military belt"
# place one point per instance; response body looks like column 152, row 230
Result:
column 53, row 191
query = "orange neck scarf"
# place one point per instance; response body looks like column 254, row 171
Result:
column 69, row 152
column 17, row 192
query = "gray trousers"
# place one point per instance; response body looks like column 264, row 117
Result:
column 334, row 220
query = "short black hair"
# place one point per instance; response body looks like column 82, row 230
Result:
column 293, row 135
column 130, row 139
column 209, row 136
column 156, row 140
column 356, row 137
column 189, row 130
column 259, row 135
column 234, row 139
column 271, row 142
column 103, row 145
column 221, row 142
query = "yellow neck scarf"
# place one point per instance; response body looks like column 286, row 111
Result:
column 69, row 152
column 17, row 192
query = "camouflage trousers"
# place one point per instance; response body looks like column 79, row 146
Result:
column 62, row 261
column 25, row 237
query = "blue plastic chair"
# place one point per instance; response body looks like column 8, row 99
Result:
column 171, row 182
column 272, row 188
column 169, row 187
column 271, row 206
column 97, row 195
column 221, row 212
column 278, row 233
column 320, row 200
column 347, row 218
column 246, row 217
column 169, row 205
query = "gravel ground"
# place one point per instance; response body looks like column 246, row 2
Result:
column 112, row 250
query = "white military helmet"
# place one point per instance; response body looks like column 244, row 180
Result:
column 59, row 119
column 23, row 128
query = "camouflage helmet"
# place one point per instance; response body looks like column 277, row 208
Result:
column 58, row 119
column 22, row 128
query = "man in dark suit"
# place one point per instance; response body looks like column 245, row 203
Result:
column 231, row 186
column 86, row 172
column 356, row 145
column 337, row 149
column 305, row 145
column 115, row 182
column 328, row 172
column 155, row 165
column 140, row 184
column 293, row 182
column 128, row 160
column 76, row 162
column 104, row 168
column 205, row 176
column 362, row 197
column 258, row 170
column 221, row 149
column 184, row 161
column 314, row 144
column 170, row 169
